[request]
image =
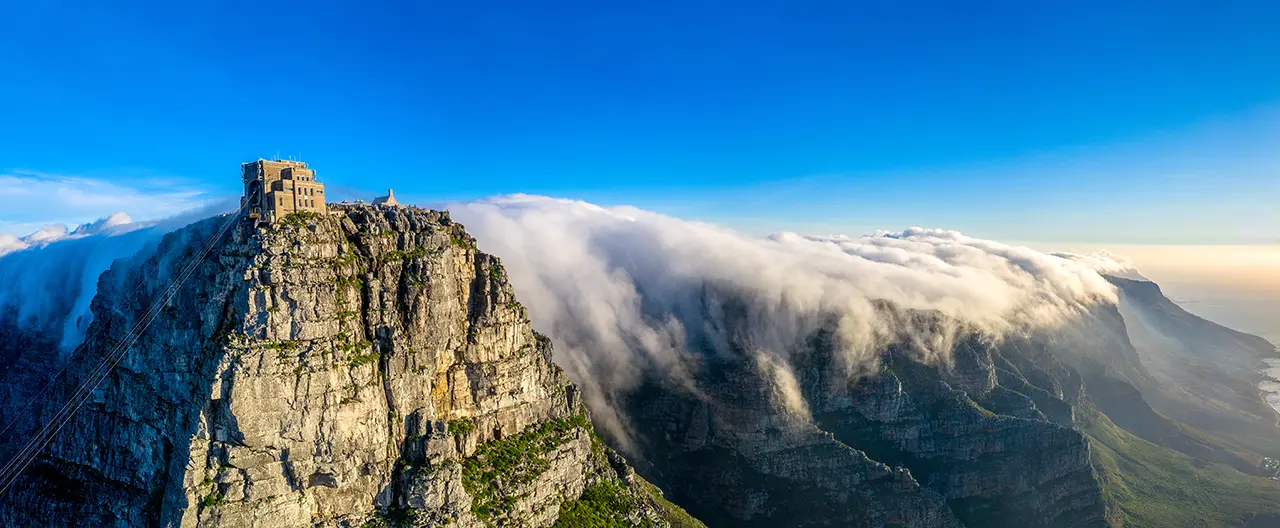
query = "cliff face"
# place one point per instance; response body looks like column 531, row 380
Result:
column 370, row 367
column 986, row 439
column 992, row 432
column 364, row 366
column 1199, row 368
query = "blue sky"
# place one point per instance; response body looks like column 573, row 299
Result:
column 1153, row 122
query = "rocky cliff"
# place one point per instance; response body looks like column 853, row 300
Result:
column 370, row 367
column 1041, row 427
column 365, row 367
column 986, row 439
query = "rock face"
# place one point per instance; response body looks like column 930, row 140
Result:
column 364, row 366
column 985, row 439
column 1202, row 367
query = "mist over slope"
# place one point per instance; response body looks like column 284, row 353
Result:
column 932, row 372
column 625, row 291
column 48, row 278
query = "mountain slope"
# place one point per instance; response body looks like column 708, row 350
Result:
column 364, row 367
column 371, row 368
column 1206, row 375
column 1046, row 428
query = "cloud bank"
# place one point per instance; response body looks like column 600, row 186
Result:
column 31, row 198
column 1106, row 263
column 629, row 295
column 48, row 278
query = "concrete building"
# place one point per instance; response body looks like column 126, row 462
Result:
column 388, row 200
column 273, row 189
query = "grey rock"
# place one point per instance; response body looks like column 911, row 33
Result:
column 330, row 370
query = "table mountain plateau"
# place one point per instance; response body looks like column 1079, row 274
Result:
column 368, row 367
column 372, row 367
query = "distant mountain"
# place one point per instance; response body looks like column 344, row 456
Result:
column 372, row 367
column 1202, row 374
column 1137, row 414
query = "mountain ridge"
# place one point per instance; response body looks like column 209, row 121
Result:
column 383, row 360
column 365, row 367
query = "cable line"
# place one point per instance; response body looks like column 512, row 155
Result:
column 10, row 472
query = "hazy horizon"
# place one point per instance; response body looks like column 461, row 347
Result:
column 1237, row 286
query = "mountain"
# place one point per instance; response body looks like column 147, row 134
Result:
column 1067, row 426
column 372, row 367
column 367, row 367
column 1205, row 374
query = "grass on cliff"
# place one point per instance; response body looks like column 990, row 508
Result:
column 299, row 218
column 672, row 513
column 1153, row 486
column 461, row 427
column 500, row 469
column 607, row 505
column 603, row 505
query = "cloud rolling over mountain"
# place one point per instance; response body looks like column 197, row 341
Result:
column 48, row 278
column 624, row 291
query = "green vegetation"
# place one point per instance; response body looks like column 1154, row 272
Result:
column 346, row 258
column 346, row 345
column 362, row 359
column 299, row 218
column 342, row 282
column 523, row 351
column 607, row 505
column 461, row 427
column 669, row 511
column 604, row 505
column 1151, row 485
column 390, row 517
column 497, row 272
column 281, row 345
column 215, row 498
column 461, row 242
column 985, row 413
column 498, row 467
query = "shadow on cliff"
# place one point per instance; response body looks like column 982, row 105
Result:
column 122, row 458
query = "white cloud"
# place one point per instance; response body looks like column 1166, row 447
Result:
column 35, row 200
column 624, row 292
column 1107, row 263
column 627, row 293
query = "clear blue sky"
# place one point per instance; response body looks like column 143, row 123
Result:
column 1077, row 121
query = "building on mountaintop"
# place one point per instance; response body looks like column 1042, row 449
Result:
column 388, row 200
column 273, row 189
